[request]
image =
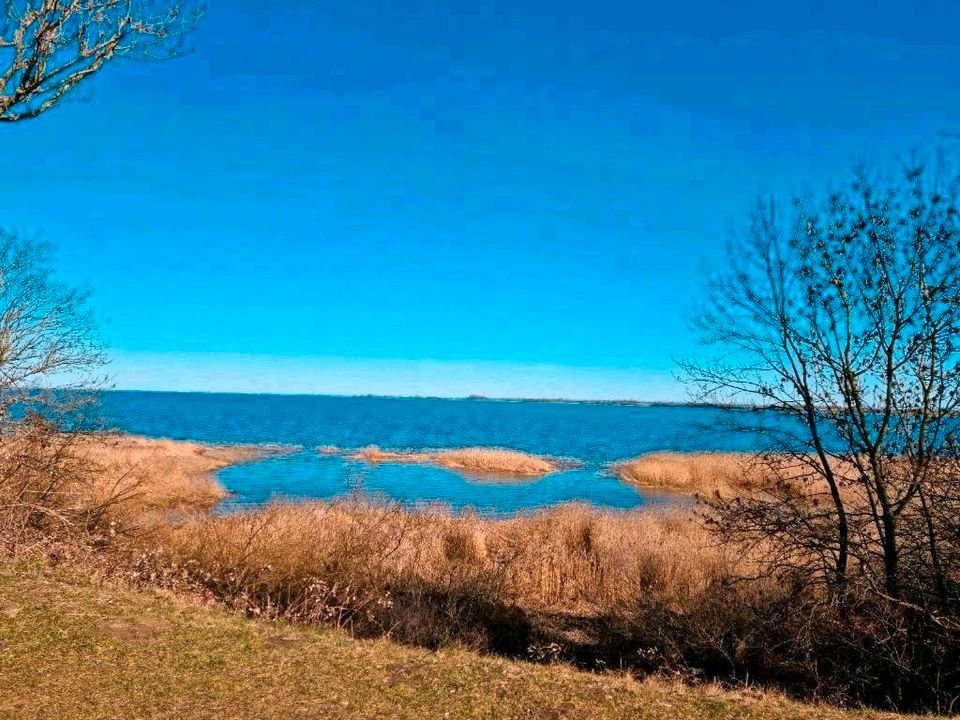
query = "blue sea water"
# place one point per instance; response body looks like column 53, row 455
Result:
column 594, row 434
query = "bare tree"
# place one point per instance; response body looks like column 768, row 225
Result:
column 49, row 364
column 841, row 317
column 45, row 330
column 49, row 47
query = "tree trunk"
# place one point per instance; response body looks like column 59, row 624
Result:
column 891, row 554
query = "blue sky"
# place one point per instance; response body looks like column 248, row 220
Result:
column 440, row 198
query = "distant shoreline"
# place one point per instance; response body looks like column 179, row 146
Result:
column 467, row 398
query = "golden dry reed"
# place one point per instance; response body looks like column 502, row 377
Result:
column 725, row 474
column 483, row 460
column 571, row 559
column 162, row 475
column 732, row 475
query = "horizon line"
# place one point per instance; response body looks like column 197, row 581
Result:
column 469, row 397
column 382, row 377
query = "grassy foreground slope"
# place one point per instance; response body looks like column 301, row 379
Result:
column 72, row 647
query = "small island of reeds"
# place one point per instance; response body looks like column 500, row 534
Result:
column 477, row 460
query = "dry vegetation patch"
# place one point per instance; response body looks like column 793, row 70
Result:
column 158, row 474
column 730, row 475
column 480, row 460
column 569, row 559
column 724, row 474
column 427, row 577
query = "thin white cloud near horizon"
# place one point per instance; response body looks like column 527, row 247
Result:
column 215, row 372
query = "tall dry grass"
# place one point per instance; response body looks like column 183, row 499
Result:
column 147, row 477
column 730, row 475
column 573, row 581
column 427, row 577
column 704, row 474
column 570, row 559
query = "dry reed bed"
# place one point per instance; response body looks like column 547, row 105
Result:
column 482, row 460
column 726, row 475
column 573, row 558
column 161, row 475
column 569, row 559
column 644, row 590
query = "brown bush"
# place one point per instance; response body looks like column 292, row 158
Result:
column 48, row 487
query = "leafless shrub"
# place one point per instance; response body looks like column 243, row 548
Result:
column 48, row 363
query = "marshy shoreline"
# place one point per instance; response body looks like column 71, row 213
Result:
column 543, row 585
column 536, row 586
column 644, row 591
column 184, row 471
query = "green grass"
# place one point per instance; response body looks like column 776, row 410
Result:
column 72, row 648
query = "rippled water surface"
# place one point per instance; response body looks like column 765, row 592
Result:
column 594, row 434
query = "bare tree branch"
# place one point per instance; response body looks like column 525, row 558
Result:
column 49, row 47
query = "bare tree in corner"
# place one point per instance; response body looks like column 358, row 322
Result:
column 50, row 360
column 841, row 316
column 50, row 47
